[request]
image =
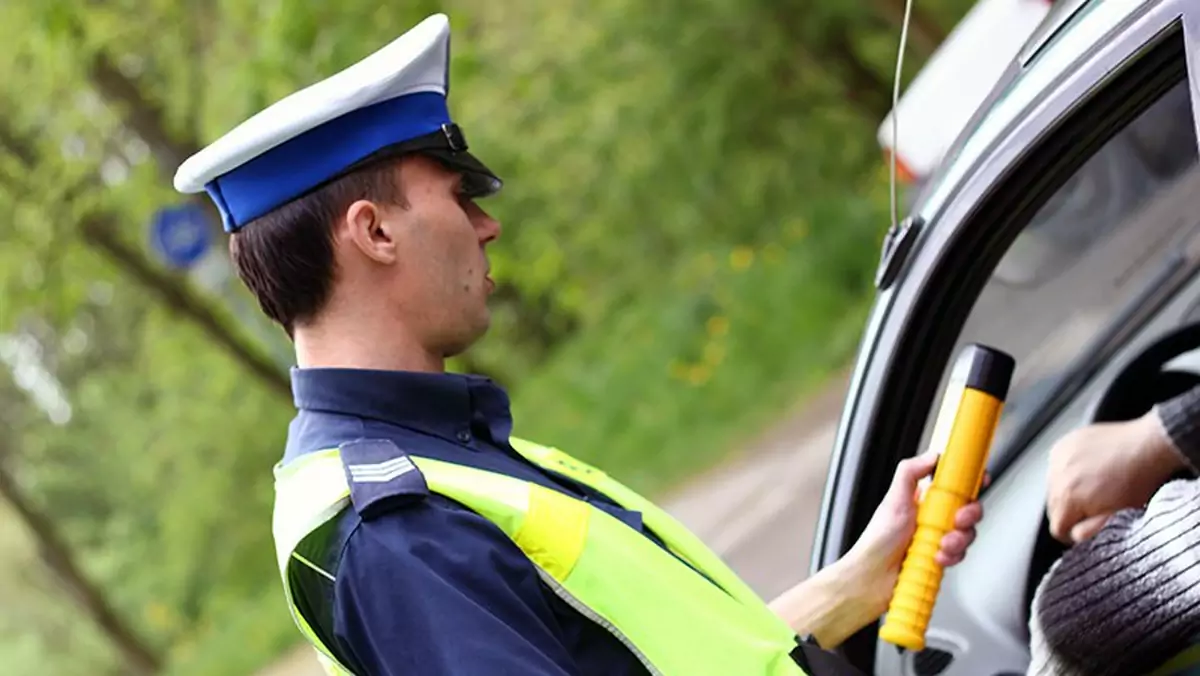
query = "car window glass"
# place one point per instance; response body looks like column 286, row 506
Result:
column 1089, row 252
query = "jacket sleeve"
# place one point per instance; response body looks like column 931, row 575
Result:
column 1181, row 419
column 434, row 589
column 1128, row 599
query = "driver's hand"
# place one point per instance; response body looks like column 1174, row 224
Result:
column 1105, row 467
column 879, row 552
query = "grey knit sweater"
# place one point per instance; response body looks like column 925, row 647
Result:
column 1128, row 600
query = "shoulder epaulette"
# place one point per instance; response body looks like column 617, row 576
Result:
column 381, row 476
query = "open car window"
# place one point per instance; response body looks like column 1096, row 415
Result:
column 1096, row 247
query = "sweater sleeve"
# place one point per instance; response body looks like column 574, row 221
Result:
column 1181, row 420
column 1128, row 599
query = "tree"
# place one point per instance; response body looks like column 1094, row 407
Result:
column 654, row 152
column 56, row 554
column 99, row 229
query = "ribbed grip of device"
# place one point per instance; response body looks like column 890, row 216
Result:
column 963, row 434
column 920, row 576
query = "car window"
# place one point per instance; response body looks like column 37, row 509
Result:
column 1090, row 251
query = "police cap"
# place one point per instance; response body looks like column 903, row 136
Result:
column 391, row 103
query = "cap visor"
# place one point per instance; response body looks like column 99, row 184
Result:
column 482, row 181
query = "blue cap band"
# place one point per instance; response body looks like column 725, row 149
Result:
column 298, row 165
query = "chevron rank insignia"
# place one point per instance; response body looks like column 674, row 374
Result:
column 380, row 476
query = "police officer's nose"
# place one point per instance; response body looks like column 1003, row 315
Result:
column 487, row 227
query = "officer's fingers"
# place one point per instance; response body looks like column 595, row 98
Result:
column 946, row 560
column 968, row 515
column 954, row 547
column 911, row 470
column 1088, row 527
column 923, row 485
column 955, row 542
column 905, row 491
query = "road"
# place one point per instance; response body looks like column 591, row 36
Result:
column 757, row 510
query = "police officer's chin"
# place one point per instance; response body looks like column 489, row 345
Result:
column 475, row 328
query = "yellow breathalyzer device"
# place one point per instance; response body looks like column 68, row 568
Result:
column 966, row 424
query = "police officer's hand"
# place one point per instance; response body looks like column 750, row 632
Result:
column 1105, row 467
column 879, row 552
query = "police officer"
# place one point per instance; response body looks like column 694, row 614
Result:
column 414, row 533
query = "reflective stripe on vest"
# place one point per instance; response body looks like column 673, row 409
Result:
column 675, row 621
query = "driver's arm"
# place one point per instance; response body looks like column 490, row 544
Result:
column 1180, row 419
column 1127, row 599
column 1101, row 468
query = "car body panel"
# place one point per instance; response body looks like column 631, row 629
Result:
column 1093, row 41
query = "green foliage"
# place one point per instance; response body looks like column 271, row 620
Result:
column 159, row 481
column 692, row 212
column 735, row 335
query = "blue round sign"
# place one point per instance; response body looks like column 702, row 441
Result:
column 180, row 234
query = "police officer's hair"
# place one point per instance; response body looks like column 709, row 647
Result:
column 286, row 257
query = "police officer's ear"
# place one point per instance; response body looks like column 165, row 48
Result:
column 368, row 228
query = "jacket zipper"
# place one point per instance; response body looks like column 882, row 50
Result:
column 578, row 605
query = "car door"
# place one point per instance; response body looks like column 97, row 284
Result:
column 1060, row 232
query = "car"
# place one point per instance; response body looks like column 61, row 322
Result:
column 1062, row 226
column 956, row 78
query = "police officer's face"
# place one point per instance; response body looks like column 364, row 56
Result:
column 442, row 278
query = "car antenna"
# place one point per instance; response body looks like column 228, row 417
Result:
column 897, row 242
column 895, row 108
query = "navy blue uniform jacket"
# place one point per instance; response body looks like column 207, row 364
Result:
column 428, row 587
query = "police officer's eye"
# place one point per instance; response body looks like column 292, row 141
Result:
column 467, row 190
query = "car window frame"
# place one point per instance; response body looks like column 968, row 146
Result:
column 1057, row 21
column 890, row 324
column 1172, row 271
column 1060, row 19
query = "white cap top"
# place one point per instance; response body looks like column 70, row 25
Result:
column 395, row 95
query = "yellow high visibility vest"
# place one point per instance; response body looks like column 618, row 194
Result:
column 675, row 621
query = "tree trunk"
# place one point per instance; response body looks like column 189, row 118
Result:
column 148, row 121
column 833, row 52
column 864, row 86
column 139, row 658
column 99, row 231
column 145, row 118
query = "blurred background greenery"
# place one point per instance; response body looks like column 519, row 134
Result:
column 693, row 209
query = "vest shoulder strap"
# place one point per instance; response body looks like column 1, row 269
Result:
column 367, row 475
column 309, row 492
column 678, row 537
